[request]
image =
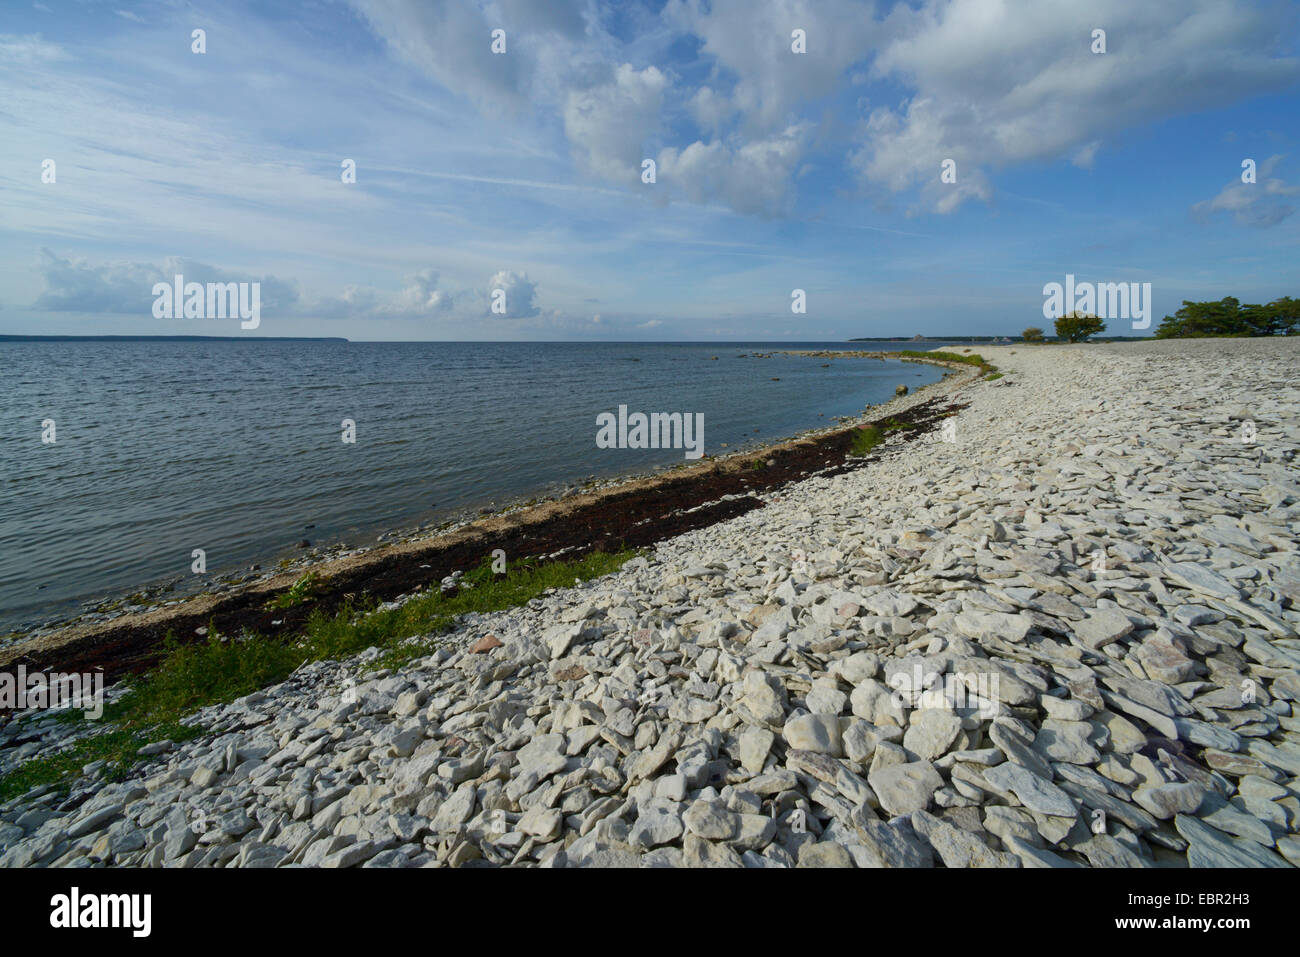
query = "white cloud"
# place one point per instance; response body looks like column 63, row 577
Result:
column 1252, row 204
column 710, row 109
column 563, row 17
column 998, row 84
column 519, row 292
column 611, row 123
column 351, row 303
column 616, row 110
column 74, row 285
column 753, row 178
column 450, row 40
column 422, row 296
column 126, row 288
column 751, row 43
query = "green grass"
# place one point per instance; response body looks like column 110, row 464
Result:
column 197, row 674
column 67, row 763
column 119, row 748
column 301, row 592
column 974, row 359
column 865, row 439
column 893, row 425
column 993, row 375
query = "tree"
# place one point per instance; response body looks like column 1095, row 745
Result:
column 1228, row 317
column 1075, row 327
column 1281, row 317
column 1032, row 334
column 1222, row 318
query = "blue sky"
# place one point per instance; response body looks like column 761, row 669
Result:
column 521, row 171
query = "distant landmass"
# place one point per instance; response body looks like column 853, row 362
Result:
column 8, row 338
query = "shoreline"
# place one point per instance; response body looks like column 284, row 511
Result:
column 724, row 699
column 144, row 596
column 41, row 648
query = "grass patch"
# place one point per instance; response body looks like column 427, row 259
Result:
column 68, row 763
column 194, row 675
column 974, row 359
column 118, row 748
column 301, row 592
column 865, row 439
column 992, row 375
column 893, row 425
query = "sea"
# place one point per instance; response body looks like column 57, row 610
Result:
column 119, row 458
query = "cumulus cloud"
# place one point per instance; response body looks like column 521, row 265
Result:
column 1259, row 203
column 751, row 178
column 75, row 285
column 611, row 122
column 759, row 93
column 994, row 84
column 710, row 109
column 352, row 302
column 422, row 296
column 615, row 112
column 749, row 45
column 126, row 288
column 519, row 292
column 985, row 83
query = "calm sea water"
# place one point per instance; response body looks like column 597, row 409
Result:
column 235, row 447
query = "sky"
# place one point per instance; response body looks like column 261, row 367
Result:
column 126, row 158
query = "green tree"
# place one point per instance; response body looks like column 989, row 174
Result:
column 1228, row 317
column 1032, row 334
column 1193, row 319
column 1281, row 317
column 1075, row 326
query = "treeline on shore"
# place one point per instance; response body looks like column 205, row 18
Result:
column 1226, row 317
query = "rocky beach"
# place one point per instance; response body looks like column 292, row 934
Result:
column 1059, row 631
